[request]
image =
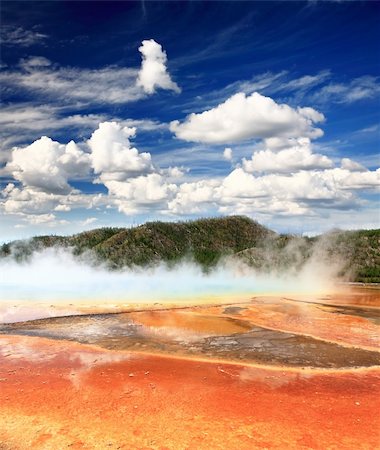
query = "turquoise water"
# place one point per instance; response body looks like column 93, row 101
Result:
column 56, row 276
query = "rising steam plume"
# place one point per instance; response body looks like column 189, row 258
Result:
column 55, row 276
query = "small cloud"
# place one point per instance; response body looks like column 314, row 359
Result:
column 153, row 73
column 18, row 36
column 352, row 166
column 174, row 172
column 227, row 154
column 43, row 219
column 34, row 62
column 286, row 156
column 88, row 221
column 62, row 208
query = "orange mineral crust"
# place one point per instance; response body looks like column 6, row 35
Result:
column 59, row 394
column 322, row 318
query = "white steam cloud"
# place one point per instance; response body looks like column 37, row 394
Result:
column 56, row 279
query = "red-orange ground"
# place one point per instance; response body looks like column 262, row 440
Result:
column 56, row 395
column 310, row 319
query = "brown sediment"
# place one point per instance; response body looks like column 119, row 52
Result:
column 57, row 394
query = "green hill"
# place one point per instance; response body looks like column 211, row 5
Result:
column 206, row 241
column 356, row 254
column 359, row 252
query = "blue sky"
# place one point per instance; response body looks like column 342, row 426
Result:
column 176, row 110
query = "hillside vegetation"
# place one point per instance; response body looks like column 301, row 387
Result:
column 206, row 241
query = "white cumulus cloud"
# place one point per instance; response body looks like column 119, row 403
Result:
column 227, row 154
column 296, row 155
column 150, row 191
column 194, row 197
column 154, row 73
column 352, row 166
column 47, row 165
column 19, row 200
column 113, row 157
column 244, row 117
column 283, row 178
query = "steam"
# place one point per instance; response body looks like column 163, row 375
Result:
column 54, row 282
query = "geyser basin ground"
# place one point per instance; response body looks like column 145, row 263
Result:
column 270, row 373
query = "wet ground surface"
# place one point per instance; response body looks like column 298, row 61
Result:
column 271, row 373
column 367, row 313
column 191, row 333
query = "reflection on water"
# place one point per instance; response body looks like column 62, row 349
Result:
column 189, row 323
column 79, row 357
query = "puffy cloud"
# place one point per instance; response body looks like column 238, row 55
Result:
column 238, row 193
column 173, row 173
column 331, row 188
column 366, row 180
column 133, row 183
column 227, row 154
column 240, row 184
column 44, row 170
column 62, row 208
column 18, row 200
column 304, row 193
column 47, row 165
column 136, row 194
column 352, row 166
column 268, row 208
column 153, row 73
column 244, row 117
column 296, row 155
column 194, row 197
column 283, row 178
column 29, row 203
column 112, row 156
column 146, row 189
